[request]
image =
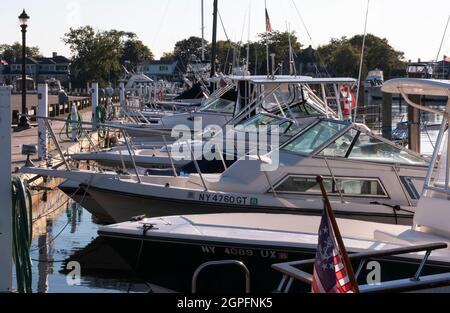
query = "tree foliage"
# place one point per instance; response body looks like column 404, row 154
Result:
column 342, row 56
column 227, row 51
column 135, row 51
column 187, row 49
column 98, row 55
column 9, row 52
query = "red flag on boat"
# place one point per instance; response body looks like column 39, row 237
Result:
column 446, row 58
column 268, row 24
column 3, row 62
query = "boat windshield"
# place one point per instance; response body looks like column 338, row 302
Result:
column 299, row 110
column 260, row 120
column 219, row 106
column 357, row 145
column 315, row 137
column 373, row 149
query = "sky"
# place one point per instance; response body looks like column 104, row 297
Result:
column 415, row 27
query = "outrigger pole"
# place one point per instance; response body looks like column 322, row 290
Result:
column 214, row 40
column 361, row 62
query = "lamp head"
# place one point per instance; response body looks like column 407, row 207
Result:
column 23, row 18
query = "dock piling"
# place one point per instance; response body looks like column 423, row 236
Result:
column 414, row 124
column 5, row 191
column 42, row 129
column 94, row 96
column 74, row 118
column 387, row 116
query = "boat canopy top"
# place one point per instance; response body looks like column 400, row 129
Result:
column 261, row 79
column 418, row 86
column 301, row 80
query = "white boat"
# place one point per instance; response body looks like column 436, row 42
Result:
column 373, row 83
column 244, row 100
column 377, row 180
column 290, row 115
column 158, row 155
column 409, row 258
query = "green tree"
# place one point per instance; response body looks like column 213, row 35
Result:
column 342, row 56
column 279, row 45
column 98, row 55
column 135, row 51
column 379, row 54
column 9, row 52
column 186, row 48
column 229, row 53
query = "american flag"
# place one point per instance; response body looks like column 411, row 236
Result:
column 330, row 274
column 3, row 62
column 446, row 58
column 268, row 24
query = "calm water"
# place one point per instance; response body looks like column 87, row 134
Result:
column 74, row 231
column 71, row 232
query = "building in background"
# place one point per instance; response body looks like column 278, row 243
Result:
column 40, row 69
column 161, row 70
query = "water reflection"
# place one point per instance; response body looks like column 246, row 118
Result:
column 72, row 232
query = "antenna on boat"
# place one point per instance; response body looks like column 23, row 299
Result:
column 440, row 48
column 214, row 40
column 203, row 32
column 248, row 36
column 267, row 39
column 361, row 61
column 292, row 68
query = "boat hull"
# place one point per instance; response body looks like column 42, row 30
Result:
column 121, row 206
column 171, row 262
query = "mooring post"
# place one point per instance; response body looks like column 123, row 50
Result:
column 42, row 130
column 387, row 116
column 74, row 118
column 5, row 191
column 414, row 124
column 122, row 98
column 94, row 97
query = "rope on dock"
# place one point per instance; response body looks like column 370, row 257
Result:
column 22, row 234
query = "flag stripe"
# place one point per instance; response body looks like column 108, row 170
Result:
column 330, row 273
column 268, row 24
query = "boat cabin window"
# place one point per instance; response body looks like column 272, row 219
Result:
column 314, row 137
column 348, row 186
column 410, row 184
column 220, row 106
column 369, row 148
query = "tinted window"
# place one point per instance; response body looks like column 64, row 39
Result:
column 370, row 187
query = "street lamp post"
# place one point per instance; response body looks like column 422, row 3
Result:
column 23, row 18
